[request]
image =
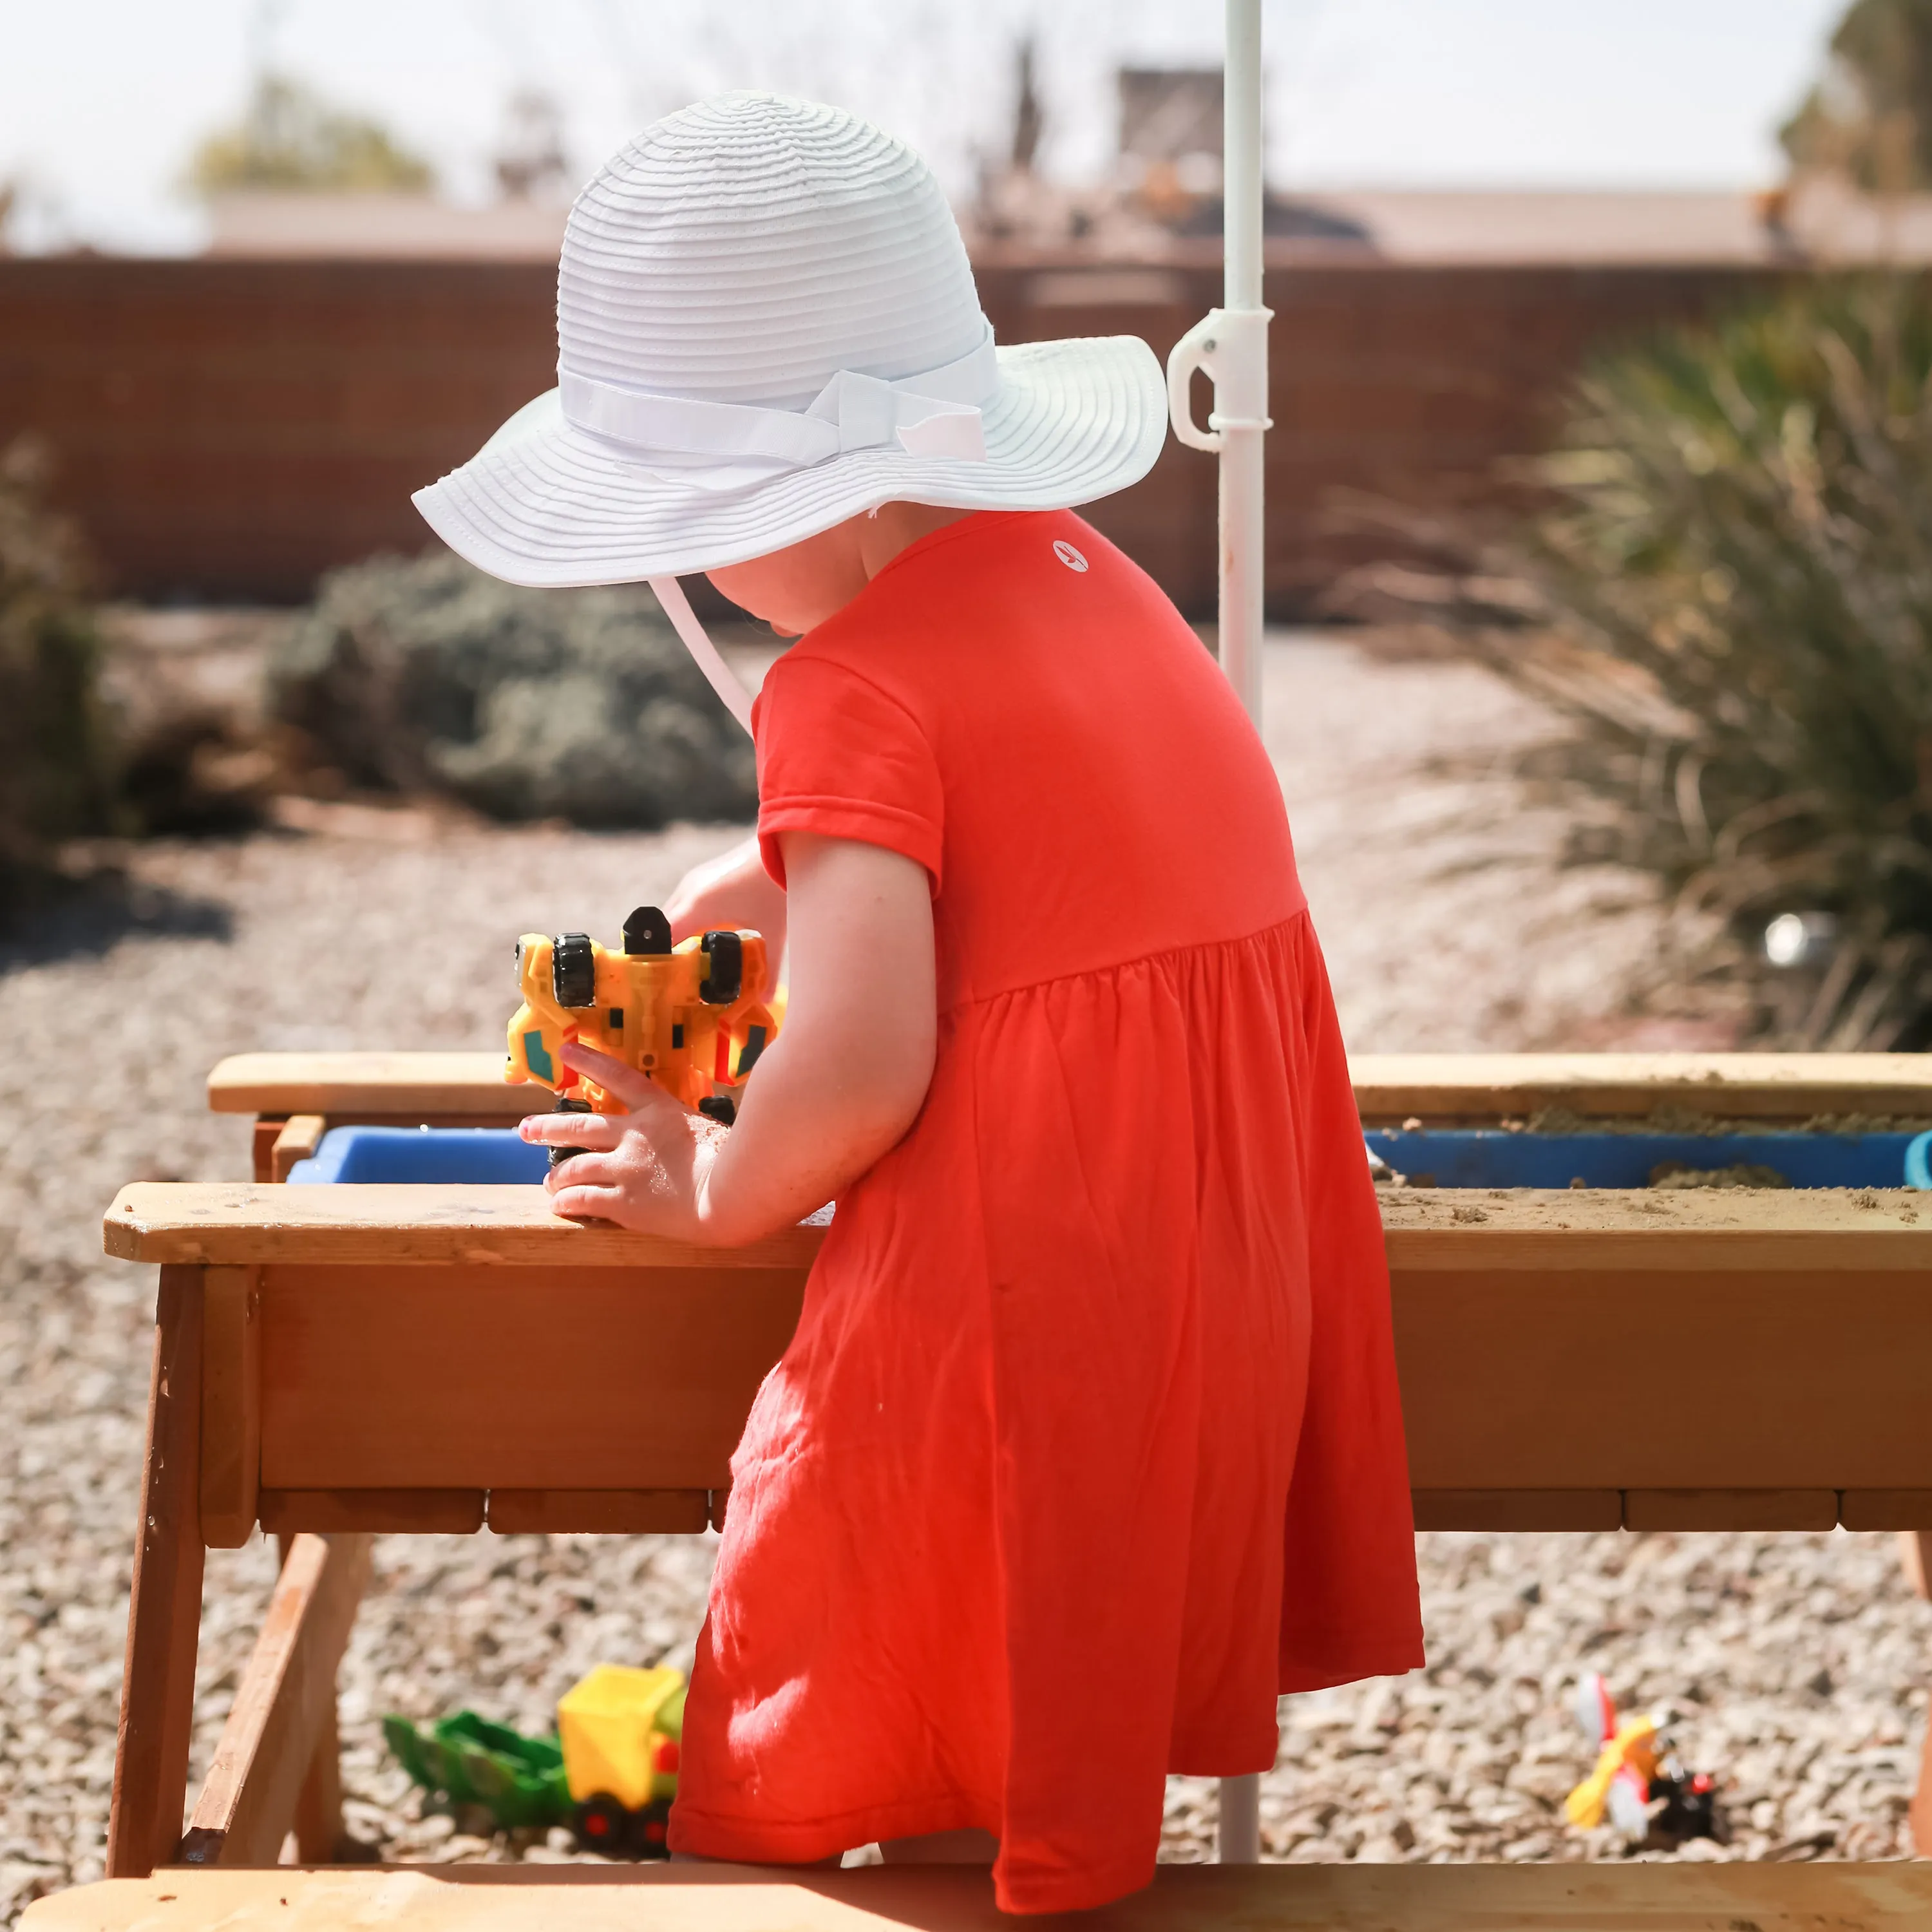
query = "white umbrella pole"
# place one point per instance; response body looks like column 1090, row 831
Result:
column 1241, row 398
column 1230, row 344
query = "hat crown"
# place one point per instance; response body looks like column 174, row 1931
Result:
column 747, row 249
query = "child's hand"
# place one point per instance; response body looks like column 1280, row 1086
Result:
column 645, row 1169
column 844, row 1080
column 729, row 891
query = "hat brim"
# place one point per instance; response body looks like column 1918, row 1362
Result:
column 543, row 505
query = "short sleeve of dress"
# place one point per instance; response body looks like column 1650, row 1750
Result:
column 840, row 756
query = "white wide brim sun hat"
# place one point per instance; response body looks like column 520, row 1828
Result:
column 766, row 324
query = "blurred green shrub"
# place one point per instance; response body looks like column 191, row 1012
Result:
column 55, row 769
column 1728, row 593
column 426, row 675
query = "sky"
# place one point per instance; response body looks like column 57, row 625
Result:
column 101, row 104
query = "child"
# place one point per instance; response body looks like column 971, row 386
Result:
column 1088, row 1444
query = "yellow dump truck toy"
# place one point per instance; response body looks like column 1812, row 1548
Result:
column 692, row 1017
column 611, row 1772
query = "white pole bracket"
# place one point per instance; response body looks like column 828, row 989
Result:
column 1230, row 347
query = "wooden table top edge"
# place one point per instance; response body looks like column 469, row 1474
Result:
column 1455, row 1230
column 455, row 1082
column 1787, row 1086
column 1771, row 1085
column 212, row 1223
column 1885, row 1897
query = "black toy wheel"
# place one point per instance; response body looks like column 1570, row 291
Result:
column 559, row 1155
column 718, row 1107
column 648, row 1828
column 726, row 980
column 603, row 1825
column 573, row 970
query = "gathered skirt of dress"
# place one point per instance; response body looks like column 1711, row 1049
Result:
column 1087, row 1446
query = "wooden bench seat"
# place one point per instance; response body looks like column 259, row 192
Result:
column 1182, row 1898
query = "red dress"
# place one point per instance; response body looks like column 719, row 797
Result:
column 1088, row 1443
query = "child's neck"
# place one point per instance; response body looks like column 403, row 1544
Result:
column 796, row 588
column 893, row 527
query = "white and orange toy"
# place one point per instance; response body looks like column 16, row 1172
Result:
column 692, row 1016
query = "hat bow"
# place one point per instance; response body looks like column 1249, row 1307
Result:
column 935, row 414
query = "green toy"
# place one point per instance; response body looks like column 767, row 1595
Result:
column 609, row 1774
column 518, row 1780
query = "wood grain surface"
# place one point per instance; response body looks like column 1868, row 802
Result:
column 599, row 1512
column 1782, row 1086
column 164, row 1618
column 238, row 1224
column 1606, row 1898
column 283, row 1706
column 347, row 1085
column 1666, row 1379
column 1742, row 1086
column 231, row 1405
column 388, row 1510
column 595, row 1378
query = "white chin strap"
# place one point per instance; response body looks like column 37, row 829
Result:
column 684, row 620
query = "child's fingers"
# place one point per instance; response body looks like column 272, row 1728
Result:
column 584, row 1170
column 576, row 1130
column 586, row 1204
column 614, row 1076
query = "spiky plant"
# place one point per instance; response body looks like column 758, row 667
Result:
column 1728, row 592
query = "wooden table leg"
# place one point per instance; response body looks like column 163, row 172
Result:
column 1915, row 1550
column 300, row 1134
column 271, row 1755
column 321, row 1837
column 164, row 1618
column 261, row 1147
column 1920, row 1816
column 1914, row 1553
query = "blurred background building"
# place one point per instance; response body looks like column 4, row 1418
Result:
column 341, row 311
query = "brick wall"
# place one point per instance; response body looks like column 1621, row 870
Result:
column 227, row 429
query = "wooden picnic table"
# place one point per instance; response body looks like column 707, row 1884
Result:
column 323, row 1354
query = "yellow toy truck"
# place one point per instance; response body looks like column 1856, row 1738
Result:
column 610, row 1773
column 692, row 1017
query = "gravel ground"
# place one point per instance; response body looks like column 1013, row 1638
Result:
column 1798, row 1664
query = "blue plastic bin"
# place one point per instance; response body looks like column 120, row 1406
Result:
column 1492, row 1157
column 495, row 1156
column 1439, row 1157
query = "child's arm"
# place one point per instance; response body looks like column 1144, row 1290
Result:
column 841, row 1085
column 731, row 890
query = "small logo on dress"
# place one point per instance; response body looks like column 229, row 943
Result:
column 1069, row 556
